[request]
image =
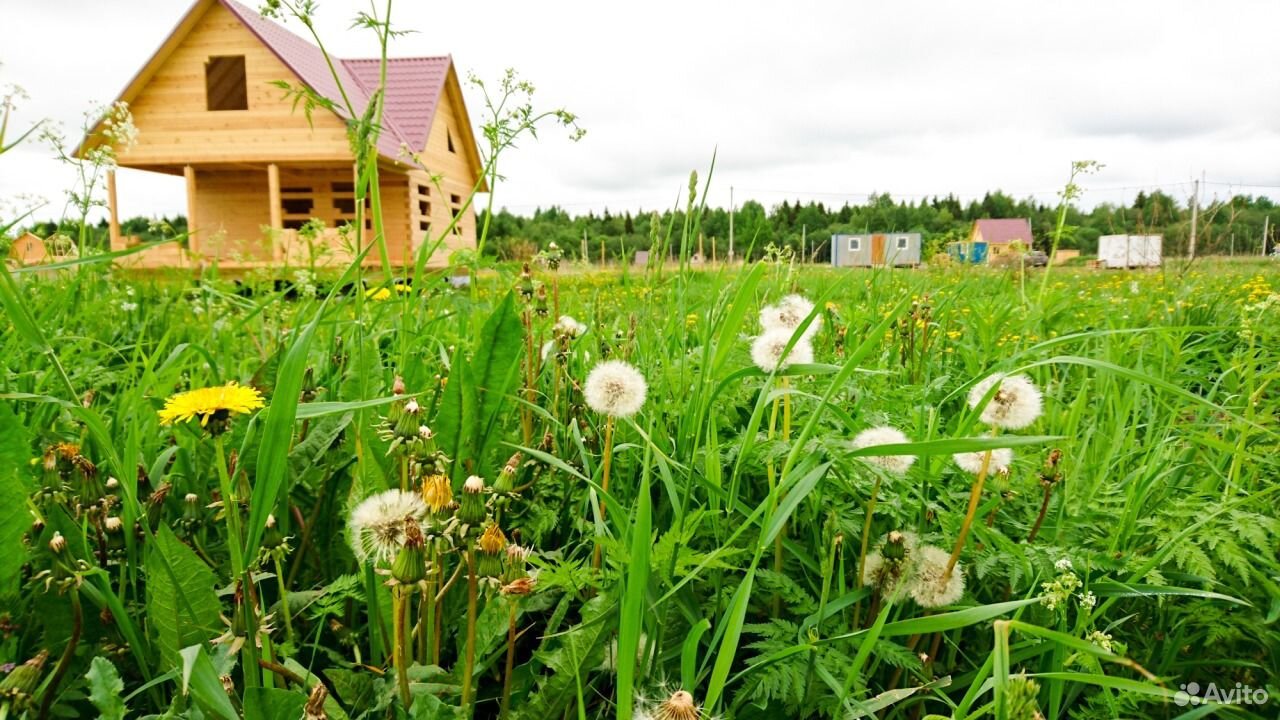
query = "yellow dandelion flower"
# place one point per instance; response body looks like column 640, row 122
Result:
column 216, row 403
column 378, row 293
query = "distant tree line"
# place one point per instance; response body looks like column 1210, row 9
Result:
column 1234, row 224
column 1224, row 227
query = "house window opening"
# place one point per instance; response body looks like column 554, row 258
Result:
column 902, row 243
column 225, row 87
column 448, row 135
column 855, row 244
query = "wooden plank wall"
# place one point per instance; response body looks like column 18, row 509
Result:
column 175, row 128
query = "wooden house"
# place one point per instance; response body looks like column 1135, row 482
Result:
column 28, row 249
column 992, row 238
column 208, row 108
column 875, row 249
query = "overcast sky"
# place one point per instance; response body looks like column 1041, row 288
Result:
column 812, row 100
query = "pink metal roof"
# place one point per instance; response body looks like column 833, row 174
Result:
column 413, row 84
column 1006, row 230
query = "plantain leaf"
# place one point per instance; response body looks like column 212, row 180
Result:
column 494, row 370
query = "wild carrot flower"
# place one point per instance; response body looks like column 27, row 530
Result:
column 377, row 525
column 769, row 351
column 931, row 585
column 898, row 464
column 971, row 462
column 213, row 403
column 1015, row 404
column 615, row 388
column 788, row 314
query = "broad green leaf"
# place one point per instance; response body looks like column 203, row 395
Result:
column 262, row 703
column 200, row 680
column 182, row 607
column 106, row 689
column 495, row 369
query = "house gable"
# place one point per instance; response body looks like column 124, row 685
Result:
column 175, row 127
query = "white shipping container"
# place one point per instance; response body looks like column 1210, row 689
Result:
column 1125, row 251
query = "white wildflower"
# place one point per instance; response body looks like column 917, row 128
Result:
column 931, row 585
column 377, row 524
column 1063, row 565
column 1015, row 404
column 971, row 462
column 788, row 314
column 1088, row 599
column 767, row 351
column 615, row 388
column 128, row 306
column 884, row 436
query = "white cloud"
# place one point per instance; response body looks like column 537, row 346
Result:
column 834, row 99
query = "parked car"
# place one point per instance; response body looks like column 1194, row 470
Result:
column 1037, row 258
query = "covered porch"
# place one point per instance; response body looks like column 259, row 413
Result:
column 243, row 216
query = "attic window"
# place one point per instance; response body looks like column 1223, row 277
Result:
column 855, row 244
column 448, row 135
column 224, row 83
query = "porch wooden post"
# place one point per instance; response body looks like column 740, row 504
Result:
column 189, row 173
column 277, row 214
column 273, row 192
column 113, row 214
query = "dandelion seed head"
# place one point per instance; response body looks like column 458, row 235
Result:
column 971, row 462
column 615, row 388
column 872, row 437
column 788, row 313
column 767, row 351
column 377, row 525
column 567, row 325
column 1015, row 405
column 931, row 585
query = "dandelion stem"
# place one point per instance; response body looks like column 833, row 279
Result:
column 511, row 660
column 605, row 463
column 400, row 596
column 469, row 662
column 239, row 571
column 866, row 541
column 1044, row 508
column 975, row 494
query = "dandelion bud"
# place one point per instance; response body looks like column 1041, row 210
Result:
column 397, row 386
column 540, row 303
column 526, row 283
column 491, row 546
column 408, row 421
column 112, row 484
column 18, row 685
column 58, row 544
column 472, row 509
column 519, row 586
column 113, row 524
column 50, row 461
column 679, row 706
column 410, row 565
column 37, row 526
column 506, row 482
column 437, row 493
column 895, row 546
column 272, row 538
column 314, row 709
column 517, row 556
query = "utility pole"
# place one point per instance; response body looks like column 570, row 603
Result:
column 1195, row 216
column 1266, row 221
column 731, row 209
column 804, row 238
column 586, row 258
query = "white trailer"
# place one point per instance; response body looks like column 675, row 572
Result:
column 1126, row 251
